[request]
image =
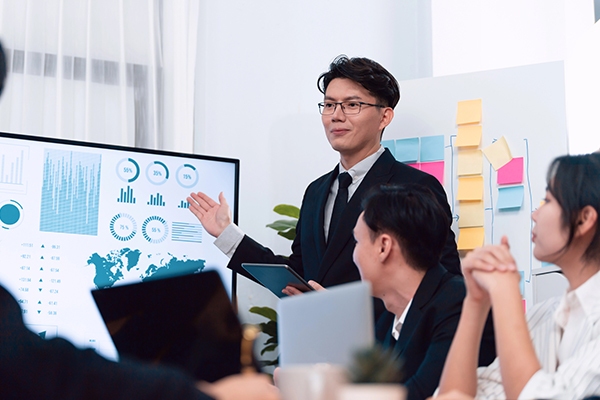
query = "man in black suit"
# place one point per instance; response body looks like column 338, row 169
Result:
column 399, row 238
column 360, row 96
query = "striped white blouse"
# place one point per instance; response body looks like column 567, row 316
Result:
column 574, row 377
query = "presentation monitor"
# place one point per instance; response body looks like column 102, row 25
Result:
column 78, row 216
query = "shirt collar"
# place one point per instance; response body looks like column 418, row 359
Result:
column 399, row 321
column 587, row 295
column 361, row 168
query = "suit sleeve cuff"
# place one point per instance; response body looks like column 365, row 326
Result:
column 229, row 240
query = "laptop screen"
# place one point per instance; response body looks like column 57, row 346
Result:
column 185, row 321
column 326, row 326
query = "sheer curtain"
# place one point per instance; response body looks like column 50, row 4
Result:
column 95, row 70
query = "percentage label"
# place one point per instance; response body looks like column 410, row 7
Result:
column 187, row 176
column 157, row 173
column 127, row 170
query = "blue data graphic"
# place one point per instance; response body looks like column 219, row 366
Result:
column 70, row 192
column 155, row 229
column 186, row 232
column 123, row 227
column 11, row 214
column 126, row 196
column 187, row 176
column 157, row 173
column 128, row 170
column 183, row 204
column 156, row 200
column 12, row 164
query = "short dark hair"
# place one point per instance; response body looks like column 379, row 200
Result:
column 2, row 68
column 574, row 181
column 368, row 73
column 412, row 215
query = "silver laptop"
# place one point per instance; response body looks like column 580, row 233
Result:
column 325, row 326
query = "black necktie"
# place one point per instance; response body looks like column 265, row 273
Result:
column 341, row 199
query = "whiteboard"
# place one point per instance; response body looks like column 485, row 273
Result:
column 526, row 105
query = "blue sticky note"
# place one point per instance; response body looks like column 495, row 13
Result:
column 390, row 144
column 432, row 148
column 522, row 283
column 407, row 150
column 510, row 198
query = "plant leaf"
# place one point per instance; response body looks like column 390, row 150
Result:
column 269, row 328
column 268, row 348
column 291, row 234
column 282, row 224
column 266, row 312
column 268, row 363
column 287, row 210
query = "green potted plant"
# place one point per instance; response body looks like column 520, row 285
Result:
column 285, row 228
column 375, row 374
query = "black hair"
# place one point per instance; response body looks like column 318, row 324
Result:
column 412, row 215
column 574, row 181
column 2, row 68
column 368, row 73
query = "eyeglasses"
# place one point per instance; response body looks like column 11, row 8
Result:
column 348, row 107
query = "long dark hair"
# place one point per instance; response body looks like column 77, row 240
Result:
column 574, row 181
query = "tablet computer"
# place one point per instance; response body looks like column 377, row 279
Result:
column 276, row 277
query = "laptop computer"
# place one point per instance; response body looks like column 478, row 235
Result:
column 185, row 321
column 325, row 326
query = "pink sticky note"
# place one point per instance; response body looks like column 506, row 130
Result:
column 512, row 172
column 435, row 168
column 415, row 165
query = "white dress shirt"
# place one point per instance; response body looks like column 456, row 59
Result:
column 399, row 321
column 565, row 333
column 357, row 173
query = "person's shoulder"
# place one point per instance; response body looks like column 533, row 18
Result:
column 324, row 179
column 452, row 286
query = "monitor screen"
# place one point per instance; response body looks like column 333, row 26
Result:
column 79, row 216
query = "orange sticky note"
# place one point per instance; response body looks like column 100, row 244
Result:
column 468, row 112
column 470, row 238
column 470, row 162
column 498, row 153
column 468, row 136
column 470, row 214
column 470, row 188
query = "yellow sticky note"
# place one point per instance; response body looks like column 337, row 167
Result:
column 470, row 162
column 470, row 214
column 498, row 153
column 469, row 112
column 468, row 136
column 470, row 238
column 470, row 188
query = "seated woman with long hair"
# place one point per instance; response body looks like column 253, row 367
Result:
column 553, row 352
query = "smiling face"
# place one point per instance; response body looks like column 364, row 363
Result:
column 549, row 235
column 355, row 137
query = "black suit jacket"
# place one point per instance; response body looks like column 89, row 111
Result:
column 331, row 263
column 34, row 368
column 428, row 330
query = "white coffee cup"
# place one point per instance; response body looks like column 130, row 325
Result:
column 310, row 381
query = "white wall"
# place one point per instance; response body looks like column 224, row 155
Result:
column 475, row 35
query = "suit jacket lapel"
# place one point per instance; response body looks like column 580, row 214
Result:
column 321, row 200
column 423, row 295
column 378, row 174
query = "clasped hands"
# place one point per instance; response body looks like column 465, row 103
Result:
column 488, row 269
